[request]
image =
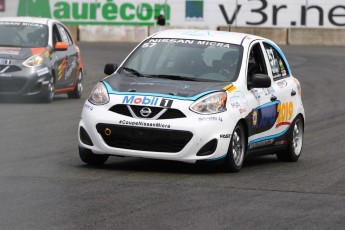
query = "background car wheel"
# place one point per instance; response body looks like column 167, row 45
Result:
column 78, row 87
column 48, row 98
column 237, row 149
column 88, row 157
column 293, row 152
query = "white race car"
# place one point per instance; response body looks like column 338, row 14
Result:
column 193, row 95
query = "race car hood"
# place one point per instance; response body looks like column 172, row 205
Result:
column 18, row 53
column 121, row 83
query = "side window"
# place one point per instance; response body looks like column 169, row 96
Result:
column 278, row 65
column 56, row 35
column 64, row 35
column 256, row 61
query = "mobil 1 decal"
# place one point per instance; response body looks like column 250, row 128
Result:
column 147, row 100
column 273, row 114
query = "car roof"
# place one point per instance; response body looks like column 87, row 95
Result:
column 208, row 35
column 44, row 21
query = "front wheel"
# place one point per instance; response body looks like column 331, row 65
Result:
column 293, row 152
column 76, row 93
column 49, row 96
column 237, row 149
column 87, row 156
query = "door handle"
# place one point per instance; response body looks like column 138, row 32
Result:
column 293, row 93
column 273, row 98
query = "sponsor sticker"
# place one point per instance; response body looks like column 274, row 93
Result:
column 10, row 50
column 147, row 100
column 285, row 111
column 225, row 136
column 152, row 42
column 211, row 119
column 43, row 71
column 255, row 117
column 144, row 123
column 282, row 84
column 5, row 61
column 88, row 106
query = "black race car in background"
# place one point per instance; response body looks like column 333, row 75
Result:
column 38, row 58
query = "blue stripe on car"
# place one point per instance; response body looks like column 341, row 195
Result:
column 194, row 98
column 269, row 137
column 218, row 158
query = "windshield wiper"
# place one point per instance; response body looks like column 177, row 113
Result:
column 8, row 45
column 133, row 71
column 174, row 77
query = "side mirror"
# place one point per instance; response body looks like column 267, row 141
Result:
column 259, row 81
column 110, row 69
column 61, row 46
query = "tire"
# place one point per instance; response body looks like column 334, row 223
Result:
column 293, row 152
column 88, row 157
column 48, row 98
column 78, row 90
column 237, row 149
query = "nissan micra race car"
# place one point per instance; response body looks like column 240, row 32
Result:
column 195, row 96
column 38, row 58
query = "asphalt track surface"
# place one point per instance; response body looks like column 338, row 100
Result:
column 44, row 185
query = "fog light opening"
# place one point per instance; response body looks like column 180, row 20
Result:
column 84, row 137
column 208, row 148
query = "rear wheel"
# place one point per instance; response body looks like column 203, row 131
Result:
column 76, row 93
column 293, row 152
column 237, row 149
column 87, row 156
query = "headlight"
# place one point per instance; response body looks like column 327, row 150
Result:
column 99, row 94
column 210, row 104
column 33, row 61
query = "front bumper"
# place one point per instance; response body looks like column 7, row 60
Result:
column 25, row 81
column 189, row 139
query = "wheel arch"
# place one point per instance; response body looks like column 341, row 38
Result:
column 303, row 119
column 246, row 128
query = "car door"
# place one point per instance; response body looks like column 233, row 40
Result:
column 66, row 60
column 285, row 89
column 262, row 118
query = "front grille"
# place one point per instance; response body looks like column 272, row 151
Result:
column 154, row 110
column 144, row 139
column 11, row 69
column 121, row 109
column 172, row 114
column 168, row 114
column 9, row 84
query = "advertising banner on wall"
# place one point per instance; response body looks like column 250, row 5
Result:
column 258, row 13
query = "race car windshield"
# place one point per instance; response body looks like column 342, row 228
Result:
column 22, row 34
column 186, row 59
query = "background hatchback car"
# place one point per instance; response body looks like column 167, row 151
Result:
column 191, row 96
column 38, row 57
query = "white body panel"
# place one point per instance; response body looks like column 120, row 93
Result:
column 241, row 105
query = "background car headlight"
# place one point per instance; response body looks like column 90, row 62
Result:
column 212, row 103
column 99, row 94
column 33, row 61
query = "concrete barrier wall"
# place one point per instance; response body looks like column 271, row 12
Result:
column 331, row 37
column 278, row 35
column 282, row 36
